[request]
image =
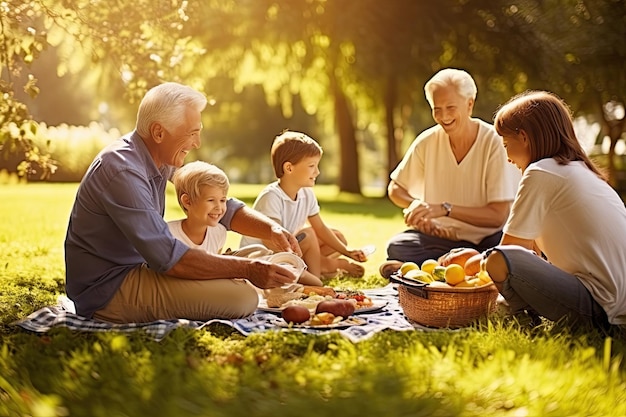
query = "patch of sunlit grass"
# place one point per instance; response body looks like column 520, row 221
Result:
column 495, row 368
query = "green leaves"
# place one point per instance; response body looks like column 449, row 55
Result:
column 306, row 56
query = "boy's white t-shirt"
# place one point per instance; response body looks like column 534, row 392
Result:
column 429, row 171
column 277, row 205
column 579, row 222
column 213, row 242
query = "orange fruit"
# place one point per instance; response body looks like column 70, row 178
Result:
column 408, row 266
column 455, row 274
column 439, row 273
column 471, row 282
column 428, row 265
column 472, row 265
column 484, row 277
column 458, row 256
column 418, row 275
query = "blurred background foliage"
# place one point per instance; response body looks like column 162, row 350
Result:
column 348, row 72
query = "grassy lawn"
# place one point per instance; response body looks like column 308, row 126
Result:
column 494, row 368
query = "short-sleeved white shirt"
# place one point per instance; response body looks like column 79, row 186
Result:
column 213, row 242
column 429, row 171
column 579, row 222
column 277, row 205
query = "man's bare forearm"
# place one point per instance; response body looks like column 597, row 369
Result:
column 198, row 264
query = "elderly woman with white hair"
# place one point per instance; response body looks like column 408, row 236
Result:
column 454, row 182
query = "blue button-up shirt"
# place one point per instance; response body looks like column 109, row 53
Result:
column 117, row 223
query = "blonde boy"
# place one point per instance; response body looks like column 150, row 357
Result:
column 290, row 201
column 201, row 189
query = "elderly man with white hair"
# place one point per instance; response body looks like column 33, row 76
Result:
column 123, row 264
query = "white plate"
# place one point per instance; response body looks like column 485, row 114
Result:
column 376, row 306
column 349, row 322
column 368, row 250
column 287, row 260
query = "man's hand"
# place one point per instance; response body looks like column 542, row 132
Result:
column 264, row 274
column 284, row 241
column 249, row 222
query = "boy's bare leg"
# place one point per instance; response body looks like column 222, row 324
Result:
column 308, row 278
column 310, row 248
column 322, row 260
column 330, row 265
column 327, row 251
column 331, row 261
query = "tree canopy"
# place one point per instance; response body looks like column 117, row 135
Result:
column 351, row 71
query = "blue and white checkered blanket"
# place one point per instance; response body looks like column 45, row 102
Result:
column 390, row 317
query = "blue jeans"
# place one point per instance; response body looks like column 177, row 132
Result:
column 414, row 246
column 535, row 284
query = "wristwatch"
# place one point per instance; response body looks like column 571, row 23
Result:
column 447, row 207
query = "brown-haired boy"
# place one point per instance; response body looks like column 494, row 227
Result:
column 291, row 202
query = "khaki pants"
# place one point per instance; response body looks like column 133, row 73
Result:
column 146, row 296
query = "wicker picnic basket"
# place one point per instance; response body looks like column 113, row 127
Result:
column 446, row 307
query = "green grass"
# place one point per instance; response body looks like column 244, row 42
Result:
column 497, row 367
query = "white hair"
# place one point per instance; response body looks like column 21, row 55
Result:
column 461, row 80
column 166, row 104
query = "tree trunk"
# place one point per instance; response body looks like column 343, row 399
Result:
column 392, row 143
column 349, row 157
column 614, row 129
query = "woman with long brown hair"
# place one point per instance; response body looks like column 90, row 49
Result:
column 562, row 251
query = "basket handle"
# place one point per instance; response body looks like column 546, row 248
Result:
column 419, row 291
column 413, row 286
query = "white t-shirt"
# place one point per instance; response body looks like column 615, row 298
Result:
column 213, row 240
column 579, row 222
column 277, row 205
column 429, row 171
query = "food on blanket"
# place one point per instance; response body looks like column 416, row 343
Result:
column 457, row 256
column 278, row 296
column 362, row 300
column 339, row 308
column 310, row 297
column 309, row 302
column 324, row 318
column 296, row 314
column 312, row 289
column 455, row 274
column 408, row 266
column 428, row 265
column 419, row 275
column 472, row 265
column 277, row 300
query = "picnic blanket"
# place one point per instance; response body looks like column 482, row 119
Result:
column 389, row 317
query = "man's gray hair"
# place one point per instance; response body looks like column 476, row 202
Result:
column 461, row 80
column 166, row 104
